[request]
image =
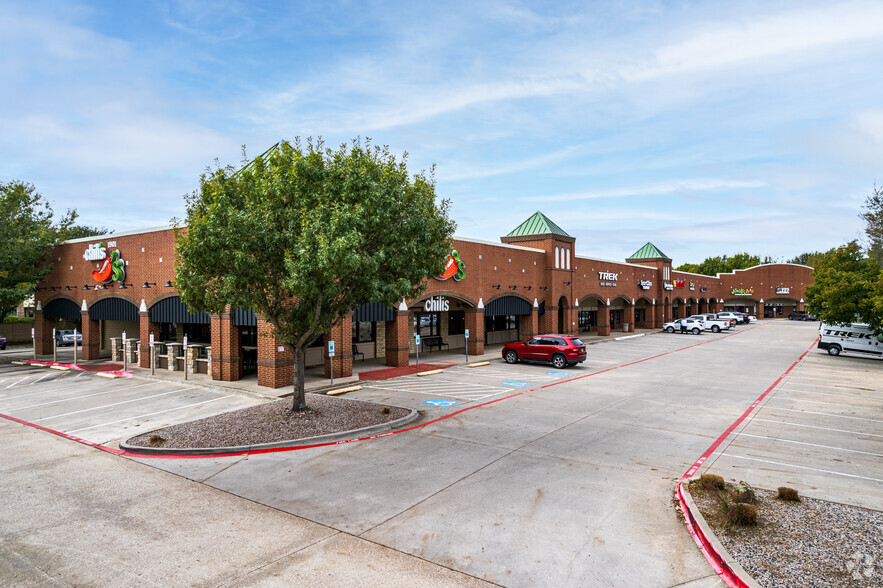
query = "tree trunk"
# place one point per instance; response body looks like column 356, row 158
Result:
column 298, row 399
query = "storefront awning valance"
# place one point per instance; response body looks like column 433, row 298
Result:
column 174, row 310
column 508, row 305
column 113, row 309
column 243, row 317
column 372, row 312
column 62, row 308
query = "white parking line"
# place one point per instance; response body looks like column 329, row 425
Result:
column 58, row 416
column 839, row 416
column 143, row 416
column 814, row 427
column 77, row 397
column 810, row 444
column 791, row 465
column 787, row 388
column 791, row 399
column 14, row 383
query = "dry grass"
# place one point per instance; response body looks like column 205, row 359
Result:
column 789, row 494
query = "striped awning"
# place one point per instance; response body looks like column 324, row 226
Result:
column 174, row 310
column 508, row 305
column 373, row 312
column 113, row 309
column 62, row 308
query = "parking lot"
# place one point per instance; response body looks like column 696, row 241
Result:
column 85, row 405
column 540, row 476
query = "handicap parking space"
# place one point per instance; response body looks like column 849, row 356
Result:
column 103, row 410
column 820, row 431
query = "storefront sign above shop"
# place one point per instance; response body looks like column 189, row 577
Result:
column 454, row 267
column 783, row 290
column 679, row 283
column 437, row 304
column 604, row 276
column 692, row 286
column 668, row 286
column 645, row 284
column 111, row 269
column 742, row 291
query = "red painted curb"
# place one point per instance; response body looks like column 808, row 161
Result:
column 148, row 454
column 714, row 558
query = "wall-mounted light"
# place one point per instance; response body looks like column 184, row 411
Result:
column 530, row 287
column 37, row 289
column 148, row 284
column 85, row 286
column 545, row 288
column 123, row 285
column 168, row 284
column 497, row 287
column 52, row 288
column 102, row 287
column 567, row 284
column 514, row 287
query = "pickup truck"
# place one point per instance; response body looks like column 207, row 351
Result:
column 712, row 323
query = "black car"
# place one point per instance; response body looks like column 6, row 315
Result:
column 801, row 315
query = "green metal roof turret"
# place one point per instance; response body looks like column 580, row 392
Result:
column 538, row 224
column 648, row 251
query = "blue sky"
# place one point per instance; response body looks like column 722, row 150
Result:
column 706, row 128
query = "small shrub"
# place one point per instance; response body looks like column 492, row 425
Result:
column 155, row 440
column 385, row 410
column 711, row 481
column 740, row 513
column 743, row 493
column 786, row 493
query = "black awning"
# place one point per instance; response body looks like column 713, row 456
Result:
column 374, row 311
column 173, row 310
column 241, row 317
column 508, row 305
column 62, row 308
column 113, row 309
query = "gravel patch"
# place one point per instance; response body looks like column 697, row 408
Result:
column 272, row 422
column 811, row 543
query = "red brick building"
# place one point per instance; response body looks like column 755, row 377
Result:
column 530, row 282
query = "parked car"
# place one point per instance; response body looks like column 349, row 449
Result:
column 2, row 343
column 752, row 318
column 693, row 326
column 856, row 337
column 733, row 315
column 559, row 350
column 66, row 337
column 711, row 322
column 801, row 315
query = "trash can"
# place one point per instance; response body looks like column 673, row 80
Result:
column 625, row 327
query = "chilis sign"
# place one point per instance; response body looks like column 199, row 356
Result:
column 454, row 267
column 112, row 268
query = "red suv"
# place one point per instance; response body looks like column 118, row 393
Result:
column 561, row 350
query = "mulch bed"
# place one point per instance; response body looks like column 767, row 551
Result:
column 811, row 543
column 395, row 372
column 271, row 423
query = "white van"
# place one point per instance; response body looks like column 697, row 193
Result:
column 856, row 337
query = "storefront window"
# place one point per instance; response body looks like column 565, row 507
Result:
column 168, row 332
column 587, row 319
column 364, row 332
column 501, row 322
column 456, row 322
column 427, row 323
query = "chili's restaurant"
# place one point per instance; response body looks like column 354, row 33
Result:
column 530, row 282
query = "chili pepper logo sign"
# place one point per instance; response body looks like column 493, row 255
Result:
column 454, row 267
column 112, row 269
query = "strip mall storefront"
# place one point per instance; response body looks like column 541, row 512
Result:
column 529, row 283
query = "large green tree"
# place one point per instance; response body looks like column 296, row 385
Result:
column 303, row 235
column 847, row 287
column 873, row 217
column 29, row 231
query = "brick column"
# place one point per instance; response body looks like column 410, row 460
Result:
column 628, row 316
column 654, row 322
column 43, row 333
column 529, row 324
column 475, row 324
column 226, row 349
column 550, row 324
column 396, row 333
column 342, row 335
column 275, row 368
column 760, row 311
column 91, row 337
column 603, row 320
column 145, row 330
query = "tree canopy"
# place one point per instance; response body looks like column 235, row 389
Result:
column 873, row 217
column 80, row 231
column 847, row 287
column 304, row 235
column 29, row 232
column 721, row 264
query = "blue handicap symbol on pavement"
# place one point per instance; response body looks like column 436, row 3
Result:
column 440, row 402
column 510, row 383
column 557, row 374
